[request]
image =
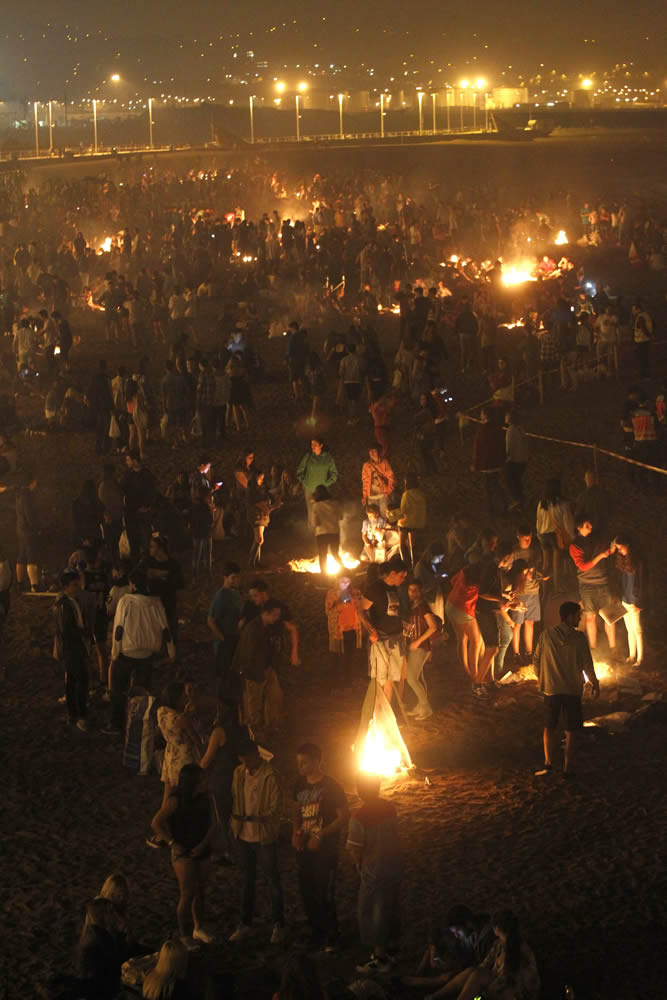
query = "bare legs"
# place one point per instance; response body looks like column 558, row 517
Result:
column 192, row 879
column 550, row 748
column 468, row 644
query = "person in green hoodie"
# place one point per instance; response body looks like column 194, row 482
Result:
column 563, row 662
column 316, row 468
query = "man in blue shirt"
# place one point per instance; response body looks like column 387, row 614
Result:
column 223, row 621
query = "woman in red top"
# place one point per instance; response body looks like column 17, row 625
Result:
column 460, row 610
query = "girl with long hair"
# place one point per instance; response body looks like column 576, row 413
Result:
column 167, row 980
column 460, row 610
column 187, row 822
column 555, row 529
column 630, row 565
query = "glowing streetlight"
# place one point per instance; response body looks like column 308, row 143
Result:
column 280, row 87
column 464, row 84
column 35, row 106
column 115, row 78
column 480, row 83
column 303, row 87
column 341, row 97
column 420, row 98
column 587, row 84
column 251, row 100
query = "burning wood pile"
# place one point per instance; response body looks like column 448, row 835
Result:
column 380, row 749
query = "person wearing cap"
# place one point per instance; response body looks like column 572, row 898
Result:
column 140, row 629
column 71, row 648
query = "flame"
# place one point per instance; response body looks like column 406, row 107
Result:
column 453, row 259
column 377, row 756
column 56, row 350
column 105, row 245
column 333, row 566
column 517, row 276
column 92, row 304
column 561, row 239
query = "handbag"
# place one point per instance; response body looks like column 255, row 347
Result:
column 613, row 612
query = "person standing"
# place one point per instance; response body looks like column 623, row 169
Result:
column 377, row 481
column 351, row 375
column 257, row 802
column 316, row 468
column 140, row 629
column 529, row 595
column 27, row 533
column 139, row 493
column 589, row 554
column 201, row 529
column 562, row 663
column 630, row 565
column 341, row 609
column 186, row 821
column 418, row 629
column 253, row 660
column 206, row 403
column 381, row 615
column 488, row 457
column 320, row 812
column 642, row 336
column 100, row 403
column 373, row 843
column 516, row 447
column 223, row 621
column 165, row 579
column 72, row 650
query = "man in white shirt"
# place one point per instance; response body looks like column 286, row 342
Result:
column 140, row 630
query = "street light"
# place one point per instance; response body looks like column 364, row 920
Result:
column 95, row 124
column 420, row 98
column 115, row 77
column 587, row 84
column 35, row 106
column 50, row 127
column 252, row 118
column 150, row 122
column 302, row 87
column 434, row 98
column 340, row 114
column 449, row 111
column 382, row 112
column 280, row 87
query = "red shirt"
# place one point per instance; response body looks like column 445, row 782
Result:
column 463, row 595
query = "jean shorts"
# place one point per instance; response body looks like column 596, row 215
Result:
column 533, row 612
column 594, row 597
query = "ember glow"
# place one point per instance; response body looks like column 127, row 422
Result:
column 333, row 566
column 92, row 304
column 105, row 245
column 561, row 239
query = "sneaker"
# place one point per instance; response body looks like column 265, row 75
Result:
column 375, row 966
column 241, row 932
column 82, row 725
column 110, row 731
column 155, row 842
column 424, row 713
column 277, row 934
column 199, row 934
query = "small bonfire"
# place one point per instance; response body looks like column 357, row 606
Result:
column 380, row 749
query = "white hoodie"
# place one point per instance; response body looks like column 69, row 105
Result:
column 139, row 625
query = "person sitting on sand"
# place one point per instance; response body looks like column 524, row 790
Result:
column 464, row 941
column 509, row 971
column 99, row 954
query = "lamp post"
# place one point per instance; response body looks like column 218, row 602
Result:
column 434, row 98
column 486, row 112
column 382, row 116
column 420, row 99
column 94, row 125
column 298, row 122
column 464, row 84
column 340, row 115
column 150, row 122
column 36, row 129
column 474, row 110
column 50, row 127
column 449, row 111
column 251, row 101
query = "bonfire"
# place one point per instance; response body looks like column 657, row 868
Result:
column 333, row 566
column 380, row 748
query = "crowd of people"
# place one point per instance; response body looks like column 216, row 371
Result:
column 188, row 280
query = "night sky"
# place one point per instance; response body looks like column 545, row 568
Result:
column 47, row 44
